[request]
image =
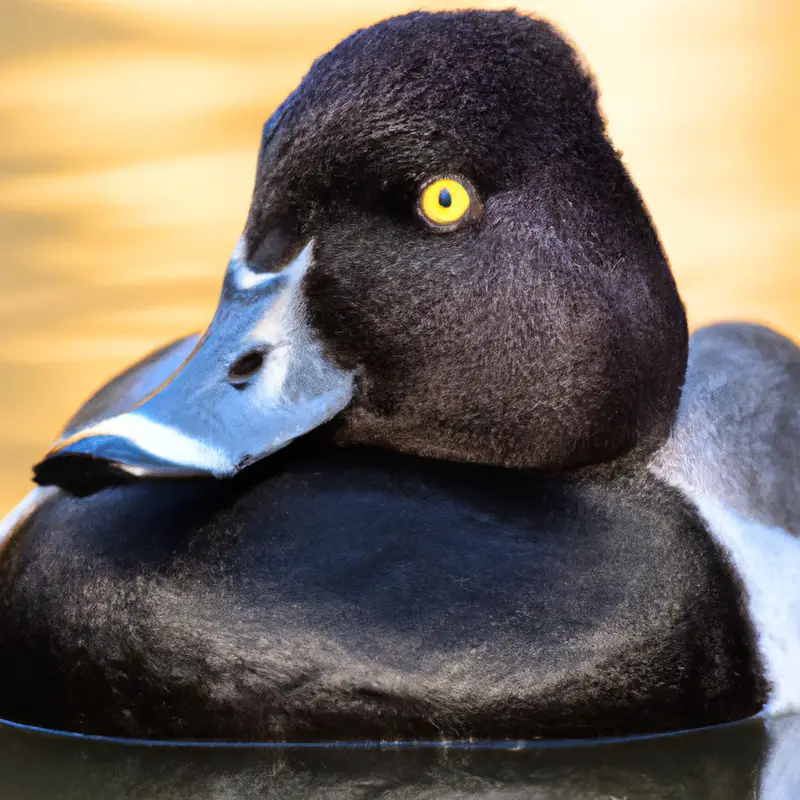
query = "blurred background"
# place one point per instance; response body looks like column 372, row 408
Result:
column 129, row 129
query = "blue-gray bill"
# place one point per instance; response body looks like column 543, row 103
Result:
column 255, row 381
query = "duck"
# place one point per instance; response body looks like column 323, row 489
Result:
column 445, row 465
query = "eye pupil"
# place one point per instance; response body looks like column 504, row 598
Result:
column 445, row 198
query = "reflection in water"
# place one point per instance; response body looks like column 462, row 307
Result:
column 696, row 766
column 129, row 136
column 748, row 761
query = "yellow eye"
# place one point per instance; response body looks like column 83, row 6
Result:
column 446, row 202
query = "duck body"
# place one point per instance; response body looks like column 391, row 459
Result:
column 356, row 594
column 509, row 511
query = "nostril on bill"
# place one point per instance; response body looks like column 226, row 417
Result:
column 245, row 367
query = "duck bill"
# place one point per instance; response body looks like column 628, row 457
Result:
column 256, row 380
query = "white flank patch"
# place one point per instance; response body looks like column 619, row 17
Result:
column 767, row 560
column 23, row 510
column 160, row 440
column 780, row 776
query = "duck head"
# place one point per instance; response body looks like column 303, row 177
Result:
column 445, row 253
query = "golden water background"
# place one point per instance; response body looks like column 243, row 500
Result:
column 128, row 132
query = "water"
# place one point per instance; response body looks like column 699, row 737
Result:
column 128, row 132
column 726, row 764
